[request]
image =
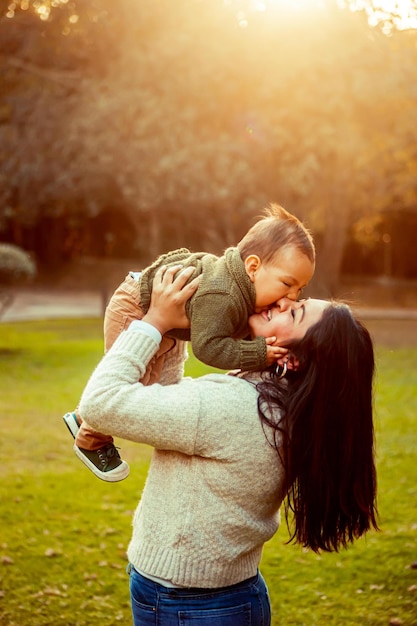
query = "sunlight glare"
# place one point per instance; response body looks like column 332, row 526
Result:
column 401, row 14
column 245, row 8
column 287, row 5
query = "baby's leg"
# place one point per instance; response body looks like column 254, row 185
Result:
column 156, row 364
column 123, row 308
column 93, row 448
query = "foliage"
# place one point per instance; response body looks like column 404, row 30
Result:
column 64, row 533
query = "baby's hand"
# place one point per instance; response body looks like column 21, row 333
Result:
column 273, row 352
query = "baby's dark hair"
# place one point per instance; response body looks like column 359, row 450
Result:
column 277, row 229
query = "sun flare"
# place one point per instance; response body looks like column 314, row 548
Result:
column 401, row 14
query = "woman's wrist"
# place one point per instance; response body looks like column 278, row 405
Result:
column 155, row 317
column 147, row 328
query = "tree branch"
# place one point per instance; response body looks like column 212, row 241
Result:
column 63, row 78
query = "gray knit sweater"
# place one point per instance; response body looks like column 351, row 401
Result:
column 218, row 311
column 215, row 483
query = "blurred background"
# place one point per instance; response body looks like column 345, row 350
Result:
column 133, row 127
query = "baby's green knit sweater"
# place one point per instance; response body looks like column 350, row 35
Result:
column 218, row 311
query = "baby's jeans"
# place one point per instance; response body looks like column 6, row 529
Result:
column 123, row 308
column 243, row 604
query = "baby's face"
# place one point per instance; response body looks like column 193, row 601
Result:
column 284, row 277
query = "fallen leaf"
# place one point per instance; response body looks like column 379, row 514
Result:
column 6, row 560
column 52, row 591
column 50, row 552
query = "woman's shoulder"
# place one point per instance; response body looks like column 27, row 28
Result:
column 218, row 383
column 229, row 424
column 245, row 380
column 226, row 391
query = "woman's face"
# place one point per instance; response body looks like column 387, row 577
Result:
column 287, row 320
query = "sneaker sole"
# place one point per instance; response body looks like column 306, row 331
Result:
column 71, row 423
column 113, row 476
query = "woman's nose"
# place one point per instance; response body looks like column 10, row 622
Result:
column 284, row 303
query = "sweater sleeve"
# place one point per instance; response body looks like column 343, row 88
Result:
column 194, row 417
column 113, row 402
column 215, row 318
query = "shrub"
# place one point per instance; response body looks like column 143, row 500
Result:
column 16, row 267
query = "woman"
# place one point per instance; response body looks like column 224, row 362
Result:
column 229, row 449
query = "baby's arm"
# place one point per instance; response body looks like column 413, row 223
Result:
column 216, row 325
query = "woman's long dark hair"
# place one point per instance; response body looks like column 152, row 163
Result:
column 325, row 436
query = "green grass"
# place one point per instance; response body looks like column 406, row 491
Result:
column 64, row 533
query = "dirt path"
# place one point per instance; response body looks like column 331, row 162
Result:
column 389, row 327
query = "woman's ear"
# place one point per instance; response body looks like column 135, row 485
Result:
column 252, row 263
column 291, row 361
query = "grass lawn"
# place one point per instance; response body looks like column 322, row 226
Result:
column 64, row 532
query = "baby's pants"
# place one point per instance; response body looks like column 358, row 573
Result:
column 123, row 308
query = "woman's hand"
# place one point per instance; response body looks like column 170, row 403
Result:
column 170, row 292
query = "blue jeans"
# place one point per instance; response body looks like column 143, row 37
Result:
column 243, row 604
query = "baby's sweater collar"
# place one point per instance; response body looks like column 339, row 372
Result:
column 236, row 267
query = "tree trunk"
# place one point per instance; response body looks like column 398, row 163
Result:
column 330, row 254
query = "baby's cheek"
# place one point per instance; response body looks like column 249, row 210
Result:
column 281, row 292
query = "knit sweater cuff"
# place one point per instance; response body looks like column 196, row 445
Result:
column 148, row 329
column 138, row 343
column 253, row 359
